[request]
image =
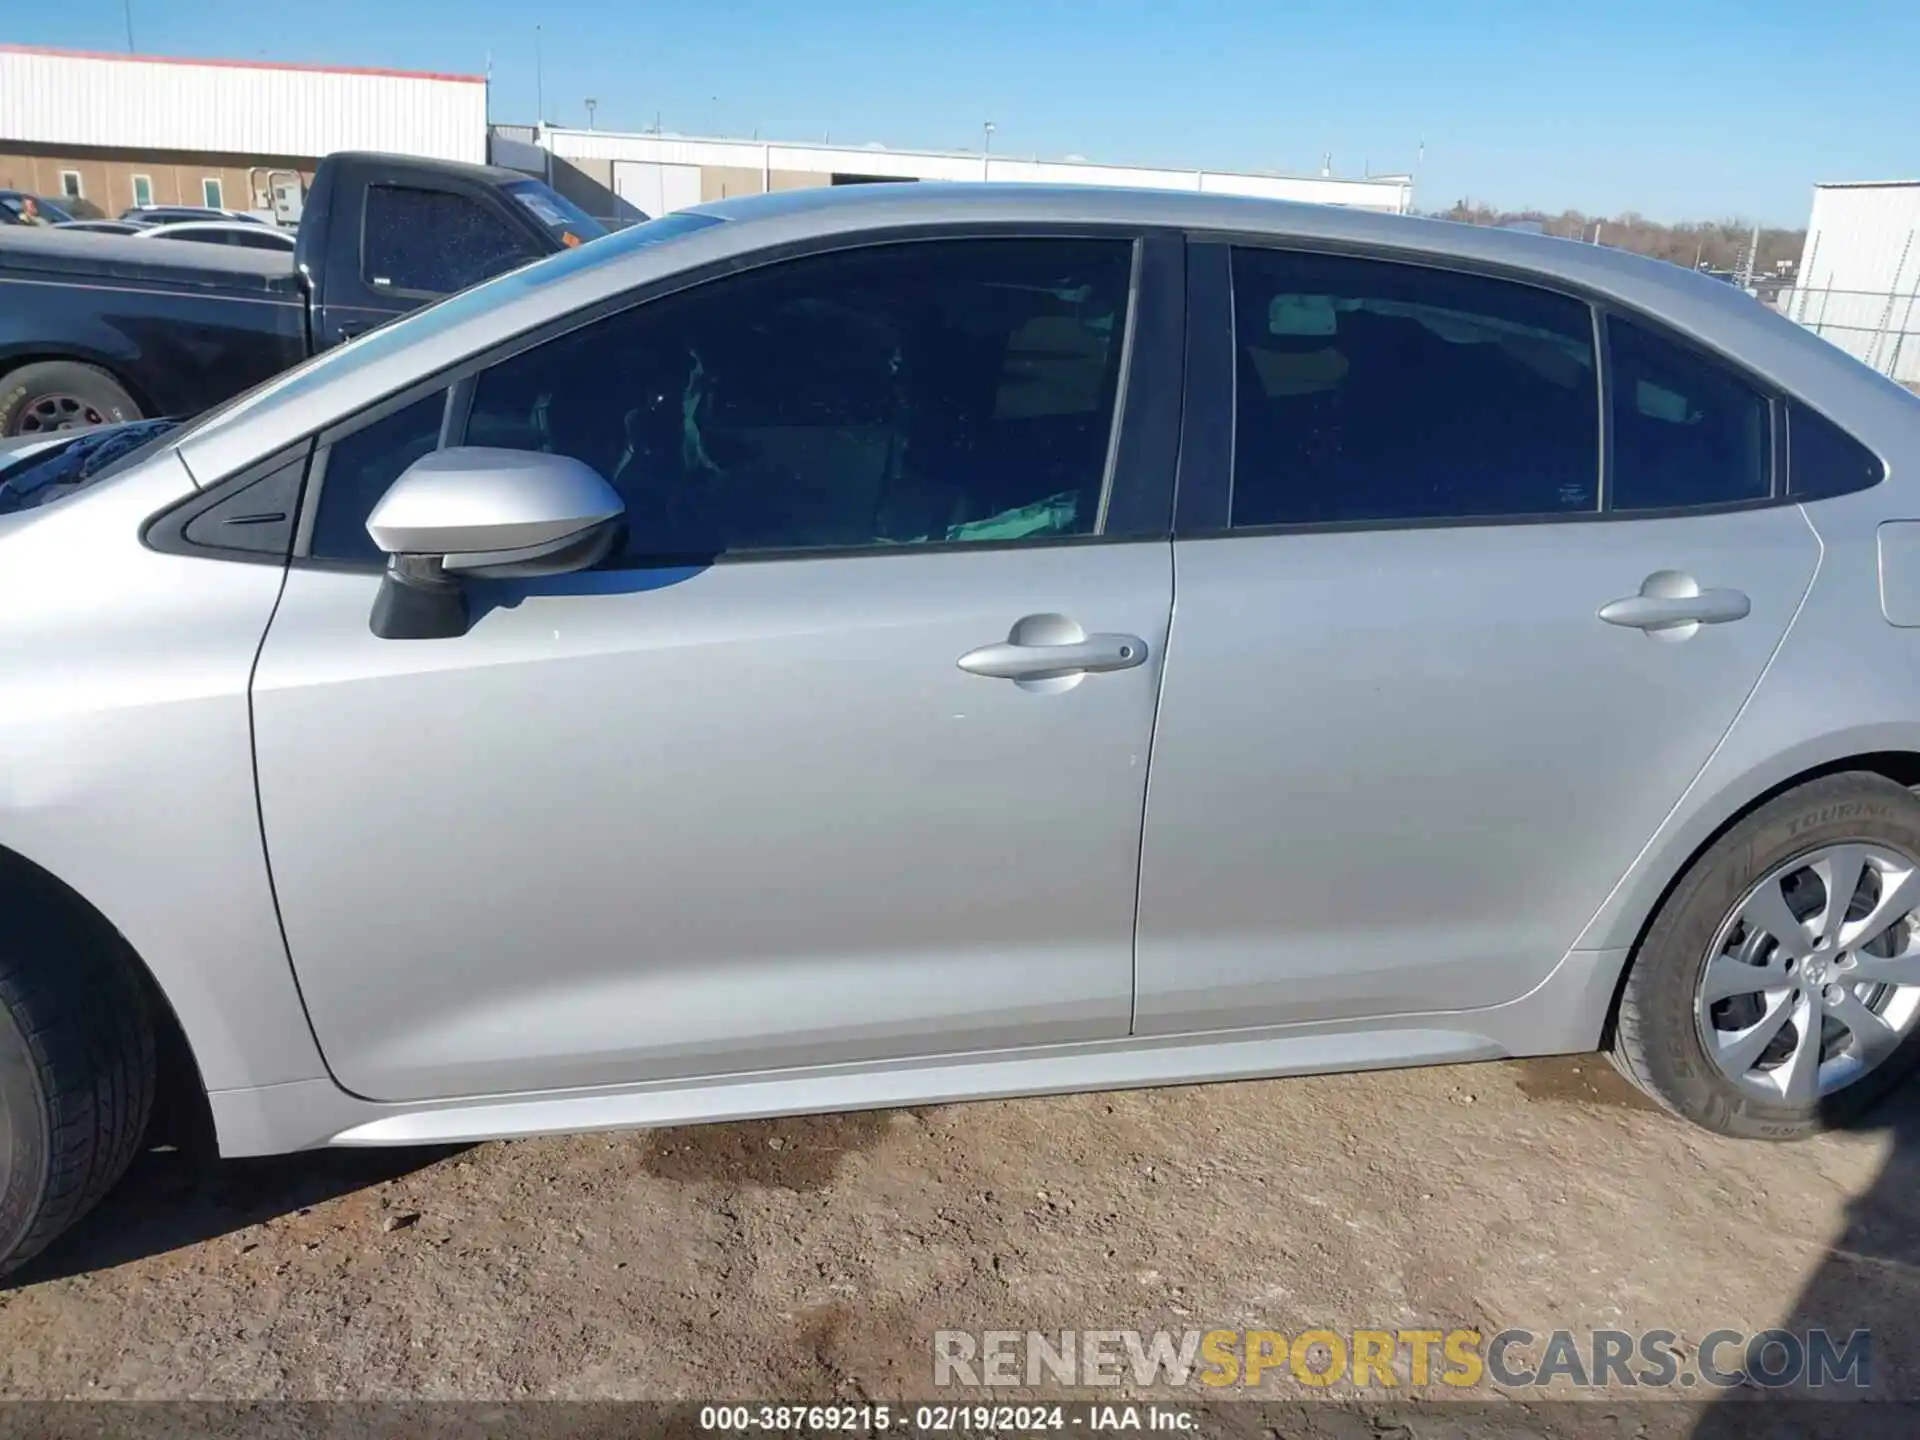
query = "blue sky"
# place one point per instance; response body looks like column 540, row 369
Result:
column 1677, row 108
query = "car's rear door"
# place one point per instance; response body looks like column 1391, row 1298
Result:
column 1432, row 684
column 842, row 760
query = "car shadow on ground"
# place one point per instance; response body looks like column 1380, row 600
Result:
column 1869, row 1279
column 173, row 1198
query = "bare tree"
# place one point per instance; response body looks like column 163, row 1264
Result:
column 1714, row 244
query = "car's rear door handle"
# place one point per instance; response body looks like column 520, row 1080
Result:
column 1011, row 660
column 1668, row 612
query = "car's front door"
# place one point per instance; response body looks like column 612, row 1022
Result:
column 421, row 237
column 731, row 802
column 1408, row 742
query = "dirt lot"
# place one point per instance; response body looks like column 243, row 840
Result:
column 815, row 1257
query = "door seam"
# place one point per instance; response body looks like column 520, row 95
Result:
column 1146, row 792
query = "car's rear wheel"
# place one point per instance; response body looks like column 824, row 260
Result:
column 1777, row 991
column 77, row 1075
column 53, row 395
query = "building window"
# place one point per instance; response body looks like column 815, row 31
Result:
column 70, row 186
column 211, row 196
column 143, row 190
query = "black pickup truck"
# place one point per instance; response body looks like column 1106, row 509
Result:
column 102, row 328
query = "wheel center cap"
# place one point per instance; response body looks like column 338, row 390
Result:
column 1815, row 969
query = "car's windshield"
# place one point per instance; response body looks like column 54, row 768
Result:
column 566, row 221
column 40, row 476
column 32, row 210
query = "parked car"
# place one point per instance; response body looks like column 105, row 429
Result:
column 720, row 671
column 95, row 330
column 186, row 214
column 223, row 232
column 19, row 208
column 101, row 227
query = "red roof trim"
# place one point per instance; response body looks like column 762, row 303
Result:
column 239, row 64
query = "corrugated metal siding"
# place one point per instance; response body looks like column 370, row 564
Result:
column 138, row 104
column 1859, row 278
column 1388, row 195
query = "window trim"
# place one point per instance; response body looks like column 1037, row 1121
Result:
column 165, row 530
column 213, row 192
column 1205, row 494
column 79, row 191
column 136, row 181
column 1142, row 449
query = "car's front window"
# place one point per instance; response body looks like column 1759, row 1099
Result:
column 943, row 392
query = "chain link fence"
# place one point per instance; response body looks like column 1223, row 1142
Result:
column 1880, row 328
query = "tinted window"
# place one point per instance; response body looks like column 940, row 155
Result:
column 435, row 241
column 260, row 239
column 1825, row 460
column 925, row 393
column 1373, row 391
column 358, row 471
column 1686, row 430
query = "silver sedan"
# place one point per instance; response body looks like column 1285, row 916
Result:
column 907, row 644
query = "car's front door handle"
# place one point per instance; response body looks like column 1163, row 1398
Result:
column 1011, row 660
column 1669, row 612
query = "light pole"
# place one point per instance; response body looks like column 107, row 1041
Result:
column 986, row 149
column 591, row 102
column 539, row 81
column 127, row 6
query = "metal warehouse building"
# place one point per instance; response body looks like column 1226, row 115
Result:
column 122, row 130
column 1859, row 278
column 610, row 174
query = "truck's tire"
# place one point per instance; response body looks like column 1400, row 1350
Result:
column 1839, row 1006
column 61, row 395
column 77, row 1077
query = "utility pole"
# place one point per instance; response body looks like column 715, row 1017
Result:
column 539, row 81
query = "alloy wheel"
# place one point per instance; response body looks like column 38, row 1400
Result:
column 1814, row 978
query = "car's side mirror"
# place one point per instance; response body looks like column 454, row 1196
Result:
column 484, row 513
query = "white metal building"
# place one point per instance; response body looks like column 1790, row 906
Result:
column 1859, row 278
column 234, row 107
column 661, row 173
column 121, row 130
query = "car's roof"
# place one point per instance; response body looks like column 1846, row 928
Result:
column 243, row 227
column 866, row 206
column 493, row 174
column 207, row 210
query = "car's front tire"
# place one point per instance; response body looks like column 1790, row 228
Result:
column 1757, row 1006
column 77, row 1077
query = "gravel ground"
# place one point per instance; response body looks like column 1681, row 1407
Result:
column 815, row 1257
